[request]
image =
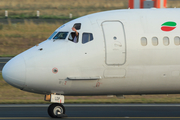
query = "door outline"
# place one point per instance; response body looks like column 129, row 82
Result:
column 106, row 43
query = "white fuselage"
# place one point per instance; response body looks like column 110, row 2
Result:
column 114, row 63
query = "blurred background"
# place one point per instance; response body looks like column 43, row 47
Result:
column 25, row 23
column 21, row 28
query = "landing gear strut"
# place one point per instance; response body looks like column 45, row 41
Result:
column 56, row 110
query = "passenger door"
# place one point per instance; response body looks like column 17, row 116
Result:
column 114, row 37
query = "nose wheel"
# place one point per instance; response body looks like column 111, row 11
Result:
column 56, row 110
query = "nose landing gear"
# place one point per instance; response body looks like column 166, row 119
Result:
column 56, row 110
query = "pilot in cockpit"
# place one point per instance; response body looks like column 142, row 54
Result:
column 75, row 36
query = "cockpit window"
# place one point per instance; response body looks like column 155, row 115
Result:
column 77, row 26
column 61, row 35
column 86, row 37
column 52, row 35
column 72, row 37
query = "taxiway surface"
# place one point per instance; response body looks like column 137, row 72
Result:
column 94, row 111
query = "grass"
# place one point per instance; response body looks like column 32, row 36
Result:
column 16, row 38
column 11, row 95
column 173, row 3
column 62, row 8
column 57, row 8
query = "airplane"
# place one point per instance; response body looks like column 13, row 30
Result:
column 117, row 52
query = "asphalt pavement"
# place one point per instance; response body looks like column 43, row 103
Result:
column 94, row 111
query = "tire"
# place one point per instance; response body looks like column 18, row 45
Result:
column 54, row 108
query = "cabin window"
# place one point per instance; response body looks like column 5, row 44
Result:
column 72, row 37
column 143, row 41
column 166, row 41
column 61, row 35
column 77, row 26
column 155, row 41
column 177, row 40
column 52, row 35
column 86, row 37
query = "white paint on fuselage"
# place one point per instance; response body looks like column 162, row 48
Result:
column 147, row 69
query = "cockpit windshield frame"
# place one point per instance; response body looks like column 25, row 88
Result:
column 58, row 35
column 52, row 35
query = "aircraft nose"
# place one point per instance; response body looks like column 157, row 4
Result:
column 14, row 72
